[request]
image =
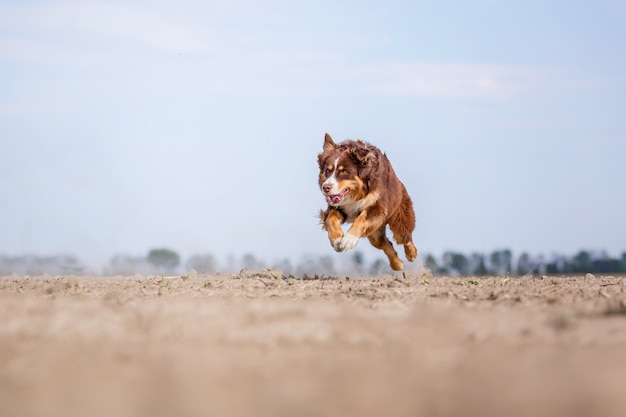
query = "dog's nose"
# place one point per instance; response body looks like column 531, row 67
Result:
column 326, row 188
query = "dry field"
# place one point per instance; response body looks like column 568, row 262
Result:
column 255, row 344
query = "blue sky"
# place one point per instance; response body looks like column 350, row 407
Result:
column 195, row 125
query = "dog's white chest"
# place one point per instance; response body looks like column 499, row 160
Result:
column 353, row 209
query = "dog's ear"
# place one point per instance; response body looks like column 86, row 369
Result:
column 365, row 157
column 329, row 144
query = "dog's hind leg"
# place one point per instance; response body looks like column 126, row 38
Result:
column 379, row 240
column 402, row 224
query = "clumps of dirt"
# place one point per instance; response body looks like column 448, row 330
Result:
column 586, row 295
column 398, row 345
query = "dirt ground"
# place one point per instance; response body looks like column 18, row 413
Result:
column 257, row 344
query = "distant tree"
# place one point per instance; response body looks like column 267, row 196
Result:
column 460, row 264
column 604, row 264
column 558, row 265
column 552, row 268
column 525, row 264
column 581, row 263
column 455, row 263
column 205, row 263
column 445, row 266
column 164, row 260
column 501, row 261
column 540, row 265
column 430, row 262
column 358, row 262
column 507, row 261
column 478, row 265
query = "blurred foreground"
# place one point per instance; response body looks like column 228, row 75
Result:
column 258, row 344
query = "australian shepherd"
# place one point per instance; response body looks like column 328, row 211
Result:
column 362, row 188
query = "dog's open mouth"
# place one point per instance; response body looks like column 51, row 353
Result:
column 336, row 198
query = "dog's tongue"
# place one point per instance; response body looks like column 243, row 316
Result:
column 334, row 199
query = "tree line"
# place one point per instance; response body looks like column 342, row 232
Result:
column 503, row 262
column 166, row 261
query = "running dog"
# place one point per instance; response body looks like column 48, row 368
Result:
column 361, row 187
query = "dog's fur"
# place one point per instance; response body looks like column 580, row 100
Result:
column 362, row 188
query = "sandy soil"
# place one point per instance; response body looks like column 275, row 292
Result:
column 259, row 345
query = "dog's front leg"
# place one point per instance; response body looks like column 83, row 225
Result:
column 364, row 225
column 331, row 221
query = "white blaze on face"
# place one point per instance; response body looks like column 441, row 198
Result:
column 332, row 180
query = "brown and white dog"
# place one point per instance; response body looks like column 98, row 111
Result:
column 362, row 188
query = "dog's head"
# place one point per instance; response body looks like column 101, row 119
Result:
column 345, row 170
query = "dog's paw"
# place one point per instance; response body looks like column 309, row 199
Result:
column 410, row 251
column 336, row 244
column 348, row 242
column 396, row 264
